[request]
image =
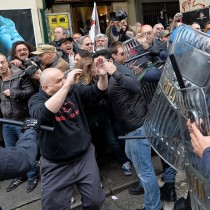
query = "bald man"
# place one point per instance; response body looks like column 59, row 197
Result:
column 68, row 156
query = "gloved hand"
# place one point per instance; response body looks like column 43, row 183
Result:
column 31, row 123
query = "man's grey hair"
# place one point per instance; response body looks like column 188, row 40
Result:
column 81, row 40
column 65, row 31
column 98, row 36
column 156, row 25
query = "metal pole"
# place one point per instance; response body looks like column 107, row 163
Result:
column 14, row 122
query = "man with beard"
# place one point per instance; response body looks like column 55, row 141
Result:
column 20, row 52
column 19, row 57
column 101, row 42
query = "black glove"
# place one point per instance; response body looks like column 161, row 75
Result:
column 31, row 123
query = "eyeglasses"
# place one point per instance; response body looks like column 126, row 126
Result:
column 57, row 32
column 159, row 28
column 3, row 63
column 87, row 44
column 20, row 50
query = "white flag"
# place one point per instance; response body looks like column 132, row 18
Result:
column 95, row 27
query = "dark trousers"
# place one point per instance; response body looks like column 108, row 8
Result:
column 58, row 182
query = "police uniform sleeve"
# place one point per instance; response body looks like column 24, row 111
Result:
column 16, row 161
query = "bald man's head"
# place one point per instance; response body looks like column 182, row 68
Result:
column 48, row 74
column 147, row 32
column 51, row 80
column 146, row 28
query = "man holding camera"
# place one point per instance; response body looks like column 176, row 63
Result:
column 115, row 31
column 20, row 52
column 21, row 58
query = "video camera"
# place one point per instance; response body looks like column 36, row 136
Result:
column 31, row 66
column 118, row 16
column 30, row 61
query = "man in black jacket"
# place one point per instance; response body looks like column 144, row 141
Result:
column 128, row 104
column 67, row 154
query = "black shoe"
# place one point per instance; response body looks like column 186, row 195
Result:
column 168, row 192
column 183, row 204
column 145, row 209
column 135, row 189
column 32, row 184
column 14, row 184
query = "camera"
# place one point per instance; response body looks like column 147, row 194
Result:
column 31, row 65
column 30, row 61
column 118, row 16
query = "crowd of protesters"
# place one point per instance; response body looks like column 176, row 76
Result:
column 90, row 96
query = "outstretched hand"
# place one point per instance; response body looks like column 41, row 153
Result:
column 102, row 67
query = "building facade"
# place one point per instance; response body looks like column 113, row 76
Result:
column 145, row 11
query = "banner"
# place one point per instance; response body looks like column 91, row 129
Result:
column 95, row 27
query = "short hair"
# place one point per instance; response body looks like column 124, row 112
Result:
column 84, row 53
column 65, row 31
column 155, row 26
column 13, row 50
column 207, row 23
column 81, row 40
column 104, row 52
column 114, row 47
column 194, row 23
column 98, row 36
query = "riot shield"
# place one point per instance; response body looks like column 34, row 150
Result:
column 143, row 61
column 191, row 51
column 171, row 107
column 192, row 102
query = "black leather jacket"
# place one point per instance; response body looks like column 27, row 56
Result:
column 16, row 106
column 124, row 91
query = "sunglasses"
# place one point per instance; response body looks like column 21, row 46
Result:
column 87, row 44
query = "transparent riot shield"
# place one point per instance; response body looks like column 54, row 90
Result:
column 192, row 105
column 191, row 50
column 165, row 123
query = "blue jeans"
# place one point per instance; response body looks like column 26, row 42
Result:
column 11, row 134
column 139, row 152
column 169, row 174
